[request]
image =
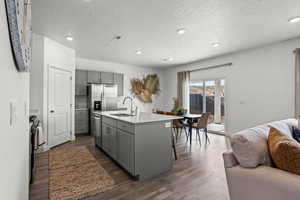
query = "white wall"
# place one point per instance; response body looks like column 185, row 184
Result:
column 129, row 72
column 46, row 53
column 36, row 75
column 14, row 140
column 260, row 84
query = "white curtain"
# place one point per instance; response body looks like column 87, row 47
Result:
column 183, row 90
column 297, row 79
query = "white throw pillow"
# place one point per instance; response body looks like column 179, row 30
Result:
column 250, row 147
column 282, row 126
column 291, row 123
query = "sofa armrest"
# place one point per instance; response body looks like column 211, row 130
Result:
column 263, row 182
column 229, row 159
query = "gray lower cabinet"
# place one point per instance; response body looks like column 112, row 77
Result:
column 126, row 150
column 94, row 77
column 109, row 140
column 143, row 149
column 97, row 130
column 81, row 121
column 92, row 124
column 119, row 80
column 118, row 142
column 105, row 137
column 107, row 77
column 113, row 143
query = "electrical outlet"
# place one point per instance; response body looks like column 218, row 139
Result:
column 167, row 124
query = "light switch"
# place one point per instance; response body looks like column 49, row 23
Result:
column 12, row 113
column 25, row 108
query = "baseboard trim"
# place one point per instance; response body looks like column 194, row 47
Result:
column 44, row 148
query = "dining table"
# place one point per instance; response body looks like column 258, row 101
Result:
column 191, row 118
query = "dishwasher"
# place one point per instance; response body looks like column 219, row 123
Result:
column 97, row 130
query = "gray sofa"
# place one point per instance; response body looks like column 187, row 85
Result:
column 249, row 169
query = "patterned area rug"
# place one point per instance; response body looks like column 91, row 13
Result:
column 76, row 174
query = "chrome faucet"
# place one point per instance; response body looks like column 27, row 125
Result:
column 131, row 104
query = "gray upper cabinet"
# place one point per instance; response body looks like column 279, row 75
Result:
column 98, row 77
column 81, row 76
column 81, row 90
column 107, row 77
column 119, row 80
column 81, row 82
column 94, row 77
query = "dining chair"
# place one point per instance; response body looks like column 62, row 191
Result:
column 178, row 126
column 202, row 124
column 174, row 146
column 197, row 112
column 173, row 136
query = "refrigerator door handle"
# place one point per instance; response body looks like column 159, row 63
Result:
column 102, row 101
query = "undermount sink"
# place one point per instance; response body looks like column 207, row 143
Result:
column 121, row 115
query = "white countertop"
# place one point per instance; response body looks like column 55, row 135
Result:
column 81, row 109
column 115, row 109
column 141, row 117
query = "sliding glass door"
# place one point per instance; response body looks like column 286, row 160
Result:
column 196, row 97
column 209, row 96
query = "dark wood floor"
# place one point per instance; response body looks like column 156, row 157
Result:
column 197, row 174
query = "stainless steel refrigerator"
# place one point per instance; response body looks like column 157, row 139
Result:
column 101, row 97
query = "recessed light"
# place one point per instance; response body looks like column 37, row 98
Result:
column 87, row 1
column 69, row 37
column 168, row 59
column 215, row 44
column 294, row 19
column 181, row 31
column 138, row 52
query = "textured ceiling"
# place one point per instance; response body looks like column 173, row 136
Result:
column 150, row 25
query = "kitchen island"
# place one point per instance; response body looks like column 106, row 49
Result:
column 141, row 144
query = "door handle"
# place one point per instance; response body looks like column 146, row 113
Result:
column 52, row 111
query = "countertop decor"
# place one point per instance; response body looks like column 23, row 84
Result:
column 146, row 87
column 177, row 109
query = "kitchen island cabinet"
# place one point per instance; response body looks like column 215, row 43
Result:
column 142, row 144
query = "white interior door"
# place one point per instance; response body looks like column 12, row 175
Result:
column 59, row 106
